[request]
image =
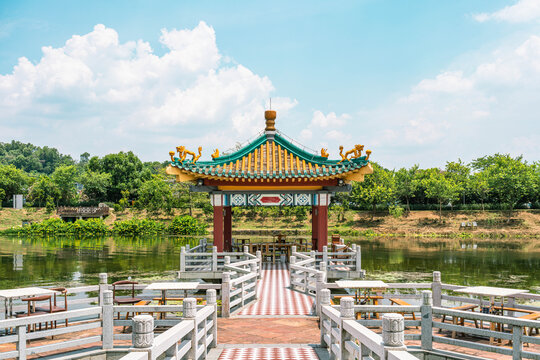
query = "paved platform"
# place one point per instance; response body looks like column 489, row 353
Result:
column 268, row 331
column 275, row 297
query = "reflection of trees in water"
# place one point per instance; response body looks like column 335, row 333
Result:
column 487, row 265
column 55, row 259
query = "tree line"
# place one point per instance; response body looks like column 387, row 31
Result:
column 121, row 180
column 50, row 179
column 499, row 182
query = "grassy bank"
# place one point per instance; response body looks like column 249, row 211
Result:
column 491, row 224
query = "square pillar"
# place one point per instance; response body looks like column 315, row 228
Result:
column 227, row 228
column 218, row 228
column 314, row 227
column 322, row 227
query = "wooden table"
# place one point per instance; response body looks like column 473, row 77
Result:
column 11, row 294
column 492, row 293
column 164, row 286
column 366, row 285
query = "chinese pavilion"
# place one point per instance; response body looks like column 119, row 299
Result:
column 270, row 171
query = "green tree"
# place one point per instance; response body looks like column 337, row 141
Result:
column 31, row 158
column 479, row 186
column 155, row 195
column 64, row 178
column 511, row 180
column 12, row 180
column 406, row 184
column 442, row 189
column 126, row 172
column 42, row 189
column 377, row 188
column 95, row 184
column 2, row 196
column 459, row 173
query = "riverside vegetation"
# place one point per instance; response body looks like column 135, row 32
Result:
column 488, row 191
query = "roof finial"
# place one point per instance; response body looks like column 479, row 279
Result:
column 270, row 116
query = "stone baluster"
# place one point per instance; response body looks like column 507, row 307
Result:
column 324, row 299
column 259, row 262
column 436, row 287
column 190, row 312
column 320, row 285
column 211, row 299
column 427, row 320
column 183, row 258
column 325, row 255
column 214, row 258
column 108, row 320
column 347, row 313
column 226, row 294
column 103, row 286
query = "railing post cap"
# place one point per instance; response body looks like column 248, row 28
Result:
column 427, row 297
column 211, row 296
column 325, row 297
column 393, row 330
column 347, row 307
column 437, row 276
column 319, row 276
column 103, row 278
column 143, row 331
column 190, row 307
column 226, row 276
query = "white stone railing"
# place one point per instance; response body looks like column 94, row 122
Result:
column 79, row 320
column 347, row 337
column 198, row 259
column 239, row 284
column 191, row 338
column 349, row 260
column 191, row 335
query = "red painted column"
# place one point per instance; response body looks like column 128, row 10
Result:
column 218, row 228
column 227, row 228
column 314, row 227
column 322, row 227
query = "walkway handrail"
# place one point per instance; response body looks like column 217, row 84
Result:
column 355, row 335
column 347, row 339
column 78, row 322
column 192, row 337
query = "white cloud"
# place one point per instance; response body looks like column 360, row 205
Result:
column 458, row 113
column 99, row 95
column 326, row 130
column 447, row 82
column 522, row 11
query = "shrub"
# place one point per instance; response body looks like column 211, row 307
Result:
column 396, row 211
column 136, row 227
column 186, row 225
column 55, row 226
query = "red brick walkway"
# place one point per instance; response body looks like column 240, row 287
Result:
column 269, row 353
column 275, row 297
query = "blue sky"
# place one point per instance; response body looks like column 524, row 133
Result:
column 415, row 81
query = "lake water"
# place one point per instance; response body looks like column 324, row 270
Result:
column 68, row 261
